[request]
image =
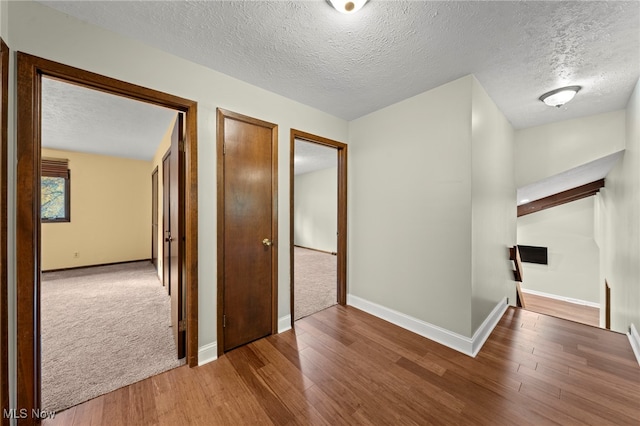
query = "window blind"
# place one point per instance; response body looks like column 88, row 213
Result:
column 55, row 167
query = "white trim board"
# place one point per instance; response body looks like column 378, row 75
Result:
column 562, row 298
column 468, row 346
column 634, row 339
column 284, row 323
column 207, row 353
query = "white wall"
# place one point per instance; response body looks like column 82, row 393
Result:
column 618, row 226
column 574, row 258
column 3, row 24
column 43, row 32
column 316, row 210
column 547, row 150
column 493, row 206
column 11, row 213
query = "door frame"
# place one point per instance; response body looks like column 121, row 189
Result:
column 342, row 212
column 30, row 72
column 166, row 264
column 607, row 305
column 4, row 317
column 221, row 114
column 154, row 217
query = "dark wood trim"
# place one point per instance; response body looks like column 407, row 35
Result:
column 514, row 254
column 333, row 253
column 28, row 235
column 220, row 230
column 4, row 328
column 607, row 305
column 30, row 71
column 166, row 154
column 155, row 184
column 221, row 114
column 96, row 265
column 520, row 296
column 342, row 212
column 560, row 198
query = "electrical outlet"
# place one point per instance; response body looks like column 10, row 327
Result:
column 76, row 255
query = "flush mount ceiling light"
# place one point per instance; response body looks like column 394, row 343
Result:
column 561, row 96
column 347, row 6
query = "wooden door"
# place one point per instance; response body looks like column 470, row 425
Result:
column 176, row 234
column 166, row 225
column 154, row 218
column 249, row 228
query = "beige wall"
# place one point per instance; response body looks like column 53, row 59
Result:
column 547, row 150
column 618, row 226
column 4, row 27
column 165, row 145
column 493, row 206
column 316, row 210
column 432, row 207
column 573, row 255
column 110, row 213
column 550, row 149
column 41, row 31
column 410, row 207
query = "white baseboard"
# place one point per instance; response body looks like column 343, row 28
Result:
column 634, row 339
column 284, row 323
column 562, row 298
column 466, row 345
column 484, row 331
column 208, row 353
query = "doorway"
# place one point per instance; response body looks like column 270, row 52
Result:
column 247, row 165
column 340, row 150
column 31, row 70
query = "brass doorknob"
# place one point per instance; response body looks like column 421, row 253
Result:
column 267, row 242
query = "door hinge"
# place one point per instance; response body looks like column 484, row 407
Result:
column 181, row 146
column 182, row 325
column 224, row 148
column 224, row 321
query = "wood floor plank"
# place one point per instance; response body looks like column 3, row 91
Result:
column 345, row 367
column 566, row 310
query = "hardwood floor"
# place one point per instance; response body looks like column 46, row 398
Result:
column 343, row 366
column 558, row 308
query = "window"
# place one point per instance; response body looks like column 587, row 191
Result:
column 54, row 190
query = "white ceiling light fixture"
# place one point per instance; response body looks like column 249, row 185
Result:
column 347, row 6
column 558, row 97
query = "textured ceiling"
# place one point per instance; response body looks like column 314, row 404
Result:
column 75, row 118
column 310, row 157
column 351, row 65
column 578, row 176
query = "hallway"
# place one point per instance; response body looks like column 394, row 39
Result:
column 343, row 366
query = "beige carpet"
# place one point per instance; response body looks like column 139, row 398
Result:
column 315, row 281
column 102, row 328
